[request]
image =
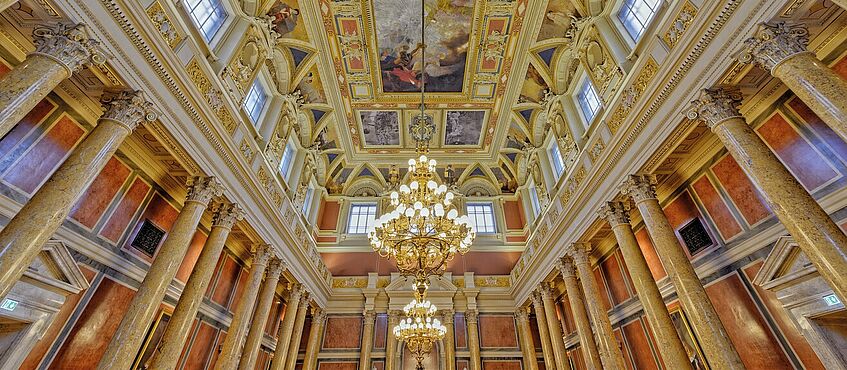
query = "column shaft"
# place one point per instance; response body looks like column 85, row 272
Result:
column 177, row 330
column 449, row 340
column 472, row 317
column 720, row 352
column 554, row 326
column 367, row 340
column 543, row 332
column 391, row 341
column 673, row 352
column 294, row 346
column 121, row 351
column 60, row 50
column 260, row 316
column 525, row 338
column 283, row 337
column 22, row 238
column 580, row 317
column 310, row 362
column 610, row 351
column 231, row 351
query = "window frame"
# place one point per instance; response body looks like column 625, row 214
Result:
column 579, row 98
column 257, row 84
column 482, row 229
column 534, row 202
column 220, row 8
column 557, row 162
column 307, row 201
column 368, row 223
column 626, row 7
column 286, row 161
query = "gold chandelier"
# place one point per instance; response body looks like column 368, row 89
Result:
column 420, row 330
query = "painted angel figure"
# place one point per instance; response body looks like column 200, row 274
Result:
column 283, row 18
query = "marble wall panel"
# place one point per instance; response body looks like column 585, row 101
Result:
column 649, row 252
column 604, row 291
column 380, row 331
column 612, row 269
column 501, row 365
column 627, row 356
column 462, row 365
column 218, row 344
column 513, row 211
column 460, row 329
column 201, row 347
column 125, row 210
column 95, row 327
column 100, row 194
column 191, row 256
column 744, row 324
column 816, row 124
column 565, row 315
column 275, row 316
column 716, row 208
column 161, row 213
column 307, row 330
column 342, row 332
column 328, row 216
column 239, row 287
column 45, row 155
column 337, row 365
column 536, row 336
column 32, row 120
column 744, row 195
column 227, row 277
column 497, row 331
column 810, row 167
column 484, row 263
column 680, row 212
column 576, row 358
column 639, row 345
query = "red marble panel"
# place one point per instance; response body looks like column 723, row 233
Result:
column 462, row 365
column 95, row 327
column 746, row 327
column 497, row 331
column 680, row 212
column 565, row 312
column 840, row 67
column 334, row 365
column 202, row 347
column 577, row 359
column 716, row 207
column 239, row 287
column 307, row 330
column 653, row 261
column 809, row 166
column 160, row 213
column 4, row 68
column 380, row 331
column 342, row 332
column 94, row 201
column 819, row 127
column 186, row 345
column 227, row 277
column 216, row 351
column 25, row 126
column 614, row 277
column 261, row 360
column 460, row 329
column 378, row 365
column 126, row 209
column 43, row 345
column 501, row 365
column 484, row 263
column 782, row 319
column 274, row 316
column 639, row 346
column 357, row 264
column 191, row 256
column 328, row 216
column 601, row 284
column 45, row 155
column 536, row 336
column 742, row 192
column 513, row 211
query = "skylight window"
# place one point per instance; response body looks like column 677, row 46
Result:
column 588, row 101
column 255, row 101
column 208, row 15
column 362, row 216
column 635, row 15
column 482, row 214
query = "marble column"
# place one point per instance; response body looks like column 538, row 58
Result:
column 4, row 4
column 367, row 339
column 607, row 344
column 310, row 362
column 449, row 339
column 179, row 326
column 60, row 50
column 816, row 233
column 673, row 352
column 554, row 326
column 283, row 337
column 233, row 344
column 580, row 317
column 294, row 346
column 525, row 338
column 391, row 340
column 720, row 352
column 543, row 331
column 260, row 315
column 472, row 318
column 781, row 48
column 121, row 352
column 22, row 238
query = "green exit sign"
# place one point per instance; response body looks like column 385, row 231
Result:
column 8, row 304
column 831, row 300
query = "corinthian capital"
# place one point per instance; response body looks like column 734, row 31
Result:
column 128, row 108
column 536, row 300
column 545, row 291
column 714, row 106
column 615, row 213
column 68, row 44
column 295, row 291
column 276, row 266
column 226, row 215
column 202, row 189
column 318, row 315
column 522, row 315
column 640, row 187
column 580, row 253
column 261, row 254
column 773, row 43
column 472, row 316
column 565, row 266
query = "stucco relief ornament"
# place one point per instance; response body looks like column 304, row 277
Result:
column 773, row 43
column 128, row 107
column 714, row 106
column 69, row 44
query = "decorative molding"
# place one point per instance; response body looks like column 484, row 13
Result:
column 632, row 94
column 680, row 24
column 212, row 95
column 163, row 24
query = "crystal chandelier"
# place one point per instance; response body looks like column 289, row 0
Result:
column 420, row 330
column 422, row 231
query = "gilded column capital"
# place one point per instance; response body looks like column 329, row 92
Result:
column 318, row 315
column 447, row 316
column 773, row 43
column 615, row 213
column 566, row 267
column 305, row 297
column 715, row 106
column 369, row 316
column 128, row 108
column 522, row 315
column 640, row 187
column 226, row 215
column 261, row 254
column 202, row 189
column 472, row 316
column 295, row 291
column 545, row 291
column 69, row 44
column 536, row 300
column 580, row 253
column 276, row 266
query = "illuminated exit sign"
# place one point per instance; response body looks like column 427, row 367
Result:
column 8, row 304
column 831, row 300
